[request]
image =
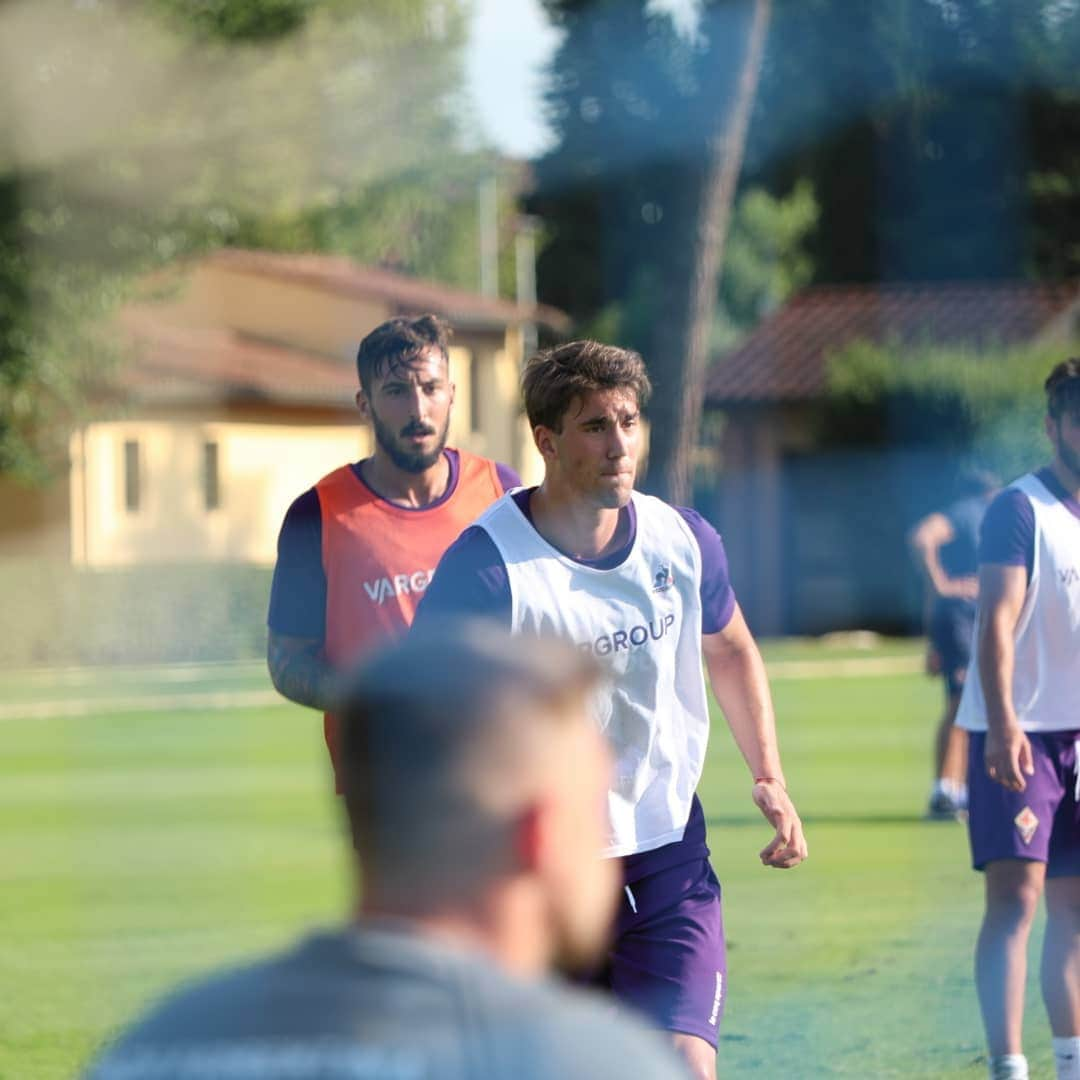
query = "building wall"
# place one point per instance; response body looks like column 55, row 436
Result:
column 266, row 455
column 748, row 506
column 261, row 469
column 485, row 363
column 34, row 522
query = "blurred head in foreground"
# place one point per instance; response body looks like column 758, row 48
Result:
column 475, row 790
column 475, row 786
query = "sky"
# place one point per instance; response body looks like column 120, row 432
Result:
column 509, row 43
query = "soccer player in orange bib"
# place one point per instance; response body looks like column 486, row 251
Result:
column 357, row 550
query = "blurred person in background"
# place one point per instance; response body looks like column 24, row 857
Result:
column 945, row 546
column 644, row 586
column 473, row 782
column 1021, row 704
column 357, row 550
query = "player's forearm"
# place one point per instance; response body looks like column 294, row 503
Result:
column 996, row 650
column 302, row 674
column 933, row 571
column 741, row 688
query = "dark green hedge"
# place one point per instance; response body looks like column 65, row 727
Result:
column 985, row 407
column 57, row 614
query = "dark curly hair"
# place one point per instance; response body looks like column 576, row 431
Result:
column 554, row 377
column 399, row 341
column 1063, row 389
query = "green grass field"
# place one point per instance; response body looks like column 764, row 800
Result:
column 143, row 844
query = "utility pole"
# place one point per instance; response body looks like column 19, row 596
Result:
column 525, row 272
column 487, row 212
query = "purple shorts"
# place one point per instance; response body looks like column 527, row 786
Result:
column 668, row 958
column 1040, row 823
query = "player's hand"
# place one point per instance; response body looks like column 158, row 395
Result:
column 962, row 588
column 788, row 847
column 1008, row 757
column 932, row 661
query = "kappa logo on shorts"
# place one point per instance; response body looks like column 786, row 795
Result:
column 1026, row 823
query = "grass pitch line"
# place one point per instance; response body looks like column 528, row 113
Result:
column 220, row 699
column 852, row 667
column 181, row 671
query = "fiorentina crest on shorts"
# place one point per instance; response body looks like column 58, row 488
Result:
column 1026, row 822
column 662, row 579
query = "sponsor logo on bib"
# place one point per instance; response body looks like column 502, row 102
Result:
column 385, row 588
column 632, row 638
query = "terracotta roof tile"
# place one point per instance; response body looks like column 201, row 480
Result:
column 784, row 359
column 408, row 295
column 170, row 363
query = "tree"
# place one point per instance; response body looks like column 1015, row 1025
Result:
column 651, row 126
column 331, row 124
column 936, row 135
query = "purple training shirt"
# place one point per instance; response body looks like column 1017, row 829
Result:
column 1008, row 529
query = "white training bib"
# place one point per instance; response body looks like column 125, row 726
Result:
column 1046, row 672
column 643, row 620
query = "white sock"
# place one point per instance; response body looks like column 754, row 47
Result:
column 1009, row 1067
column 1067, row 1057
column 953, row 790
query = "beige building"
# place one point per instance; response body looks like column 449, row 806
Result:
column 238, row 395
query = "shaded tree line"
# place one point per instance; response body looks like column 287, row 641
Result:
column 935, row 137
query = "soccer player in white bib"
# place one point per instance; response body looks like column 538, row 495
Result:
column 1021, row 703
column 644, row 586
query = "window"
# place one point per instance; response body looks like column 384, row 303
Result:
column 132, row 477
column 211, row 476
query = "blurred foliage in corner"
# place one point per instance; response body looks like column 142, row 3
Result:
column 940, row 141
column 766, row 259
column 985, row 408
column 138, row 132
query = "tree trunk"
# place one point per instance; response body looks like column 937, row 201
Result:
column 680, row 353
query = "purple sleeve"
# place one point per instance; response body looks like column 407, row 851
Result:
column 507, row 477
column 717, row 595
column 298, row 591
column 1007, row 537
column 470, row 581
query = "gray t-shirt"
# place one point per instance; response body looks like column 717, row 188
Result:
column 380, row 1004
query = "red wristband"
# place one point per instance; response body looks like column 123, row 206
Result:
column 770, row 780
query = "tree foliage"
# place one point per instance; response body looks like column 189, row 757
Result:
column 639, row 188
column 985, row 407
column 291, row 124
column 766, row 260
column 934, row 136
column 940, row 136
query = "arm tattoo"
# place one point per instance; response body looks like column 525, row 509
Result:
column 300, row 672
